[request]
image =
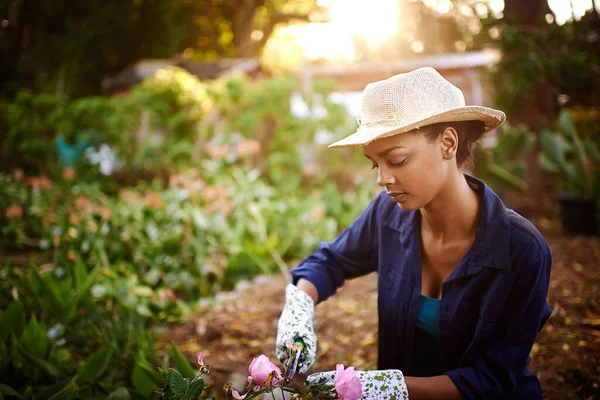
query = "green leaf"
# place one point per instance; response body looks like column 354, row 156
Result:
column 80, row 272
column 66, row 393
column 142, row 291
column 51, row 292
column 119, row 394
column 555, row 148
column 505, row 141
column 15, row 352
column 177, row 384
column 195, row 389
column 153, row 375
column 142, row 382
column 181, row 364
column 566, row 123
column 522, row 146
column 592, row 150
column 507, row 178
column 84, row 290
column 13, row 320
column 548, row 164
column 50, row 391
column 145, row 379
column 4, row 358
column 49, row 368
column 96, row 365
column 8, row 391
column 85, row 392
column 34, row 340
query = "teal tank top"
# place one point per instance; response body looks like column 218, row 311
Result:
column 429, row 356
column 428, row 317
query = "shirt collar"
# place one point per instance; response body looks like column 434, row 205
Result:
column 492, row 237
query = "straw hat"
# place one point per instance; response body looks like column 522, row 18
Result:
column 412, row 100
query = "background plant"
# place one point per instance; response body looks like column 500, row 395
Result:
column 502, row 166
column 575, row 160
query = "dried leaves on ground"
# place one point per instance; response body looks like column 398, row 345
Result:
column 566, row 355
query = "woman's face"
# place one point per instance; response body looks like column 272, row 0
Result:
column 410, row 168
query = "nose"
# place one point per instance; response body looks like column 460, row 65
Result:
column 384, row 178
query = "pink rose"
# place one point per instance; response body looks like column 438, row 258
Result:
column 347, row 385
column 200, row 360
column 263, row 372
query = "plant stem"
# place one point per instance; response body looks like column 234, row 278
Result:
column 273, row 394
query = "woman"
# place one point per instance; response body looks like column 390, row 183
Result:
column 462, row 279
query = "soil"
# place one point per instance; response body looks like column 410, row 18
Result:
column 243, row 325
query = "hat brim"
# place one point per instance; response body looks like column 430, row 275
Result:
column 490, row 117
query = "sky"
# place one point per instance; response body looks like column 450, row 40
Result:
column 562, row 8
column 376, row 20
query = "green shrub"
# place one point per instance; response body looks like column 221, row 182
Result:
column 58, row 336
column 575, row 161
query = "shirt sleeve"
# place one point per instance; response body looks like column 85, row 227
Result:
column 496, row 373
column 353, row 253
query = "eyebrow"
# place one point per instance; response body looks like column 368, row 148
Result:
column 386, row 152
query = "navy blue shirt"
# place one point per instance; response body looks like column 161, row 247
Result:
column 492, row 306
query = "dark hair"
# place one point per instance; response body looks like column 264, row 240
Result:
column 468, row 133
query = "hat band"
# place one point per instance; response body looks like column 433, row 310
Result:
column 362, row 123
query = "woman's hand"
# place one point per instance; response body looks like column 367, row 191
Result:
column 384, row 384
column 296, row 322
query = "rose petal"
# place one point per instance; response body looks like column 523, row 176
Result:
column 347, row 385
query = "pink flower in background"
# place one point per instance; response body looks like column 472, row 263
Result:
column 42, row 182
column 14, row 211
column 347, row 385
column 235, row 394
column 19, row 174
column 200, row 360
column 263, row 372
column 247, row 147
column 69, row 174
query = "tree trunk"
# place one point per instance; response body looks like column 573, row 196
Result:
column 530, row 12
column 536, row 107
column 15, row 33
column 242, row 31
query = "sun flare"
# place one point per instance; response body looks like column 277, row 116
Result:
column 373, row 20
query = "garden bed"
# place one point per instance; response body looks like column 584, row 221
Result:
column 566, row 356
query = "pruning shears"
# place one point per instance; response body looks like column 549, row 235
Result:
column 297, row 356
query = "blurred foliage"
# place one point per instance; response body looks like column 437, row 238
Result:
column 70, row 48
column 575, row 160
column 503, row 166
column 173, row 120
column 59, row 338
column 227, row 183
column 562, row 58
column 193, row 237
column 207, row 156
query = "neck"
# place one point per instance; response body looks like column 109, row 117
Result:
column 453, row 213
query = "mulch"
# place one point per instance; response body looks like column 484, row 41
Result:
column 243, row 325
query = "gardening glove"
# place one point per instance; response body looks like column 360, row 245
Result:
column 296, row 322
column 376, row 384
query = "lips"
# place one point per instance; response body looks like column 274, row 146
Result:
column 397, row 196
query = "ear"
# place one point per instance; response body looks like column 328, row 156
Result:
column 449, row 142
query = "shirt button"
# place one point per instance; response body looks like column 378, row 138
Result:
column 444, row 307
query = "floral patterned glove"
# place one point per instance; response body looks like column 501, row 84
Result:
column 376, row 385
column 296, row 322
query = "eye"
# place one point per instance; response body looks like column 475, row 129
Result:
column 401, row 163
